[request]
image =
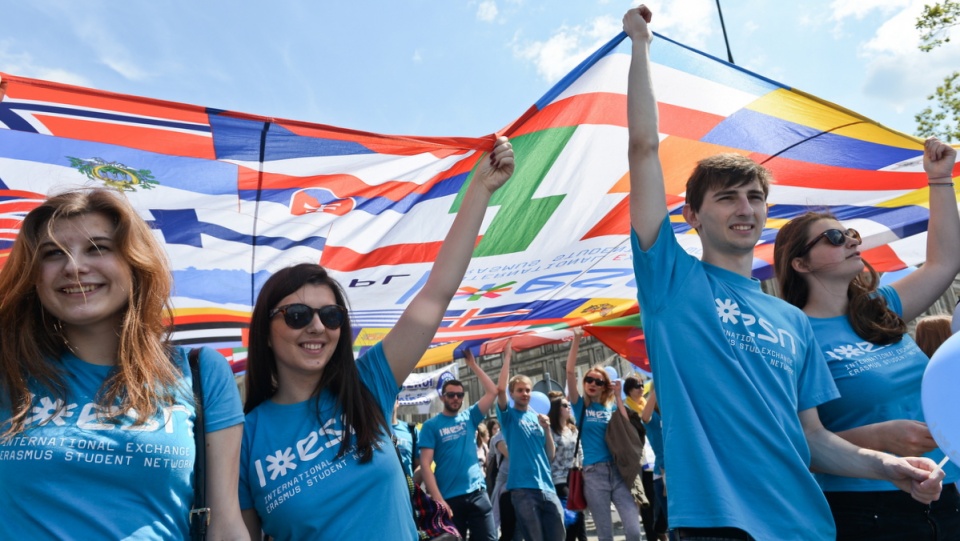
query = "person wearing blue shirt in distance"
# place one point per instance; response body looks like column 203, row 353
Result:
column 97, row 410
column 737, row 371
column 449, row 440
column 529, row 439
column 875, row 363
column 651, row 420
column 602, row 482
column 317, row 460
column 406, row 439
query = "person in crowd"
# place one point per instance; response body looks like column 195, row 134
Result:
column 405, row 436
column 565, row 442
column 449, row 441
column 651, row 420
column 317, row 460
column 504, row 516
column 876, row 365
column 635, row 401
column 744, row 383
column 931, row 332
column 96, row 404
column 602, row 482
column 483, row 444
column 528, row 437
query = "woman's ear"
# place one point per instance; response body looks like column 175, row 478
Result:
column 800, row 265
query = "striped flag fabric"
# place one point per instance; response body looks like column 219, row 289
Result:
column 235, row 196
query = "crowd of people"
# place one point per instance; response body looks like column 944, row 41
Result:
column 99, row 414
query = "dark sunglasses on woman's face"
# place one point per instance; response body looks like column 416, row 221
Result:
column 298, row 316
column 836, row 237
column 594, row 381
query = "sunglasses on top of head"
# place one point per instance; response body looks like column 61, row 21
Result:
column 836, row 237
column 298, row 315
column 594, row 381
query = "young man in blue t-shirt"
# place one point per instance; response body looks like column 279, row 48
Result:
column 450, row 440
column 530, row 441
column 737, row 372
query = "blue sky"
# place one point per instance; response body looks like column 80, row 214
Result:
column 450, row 67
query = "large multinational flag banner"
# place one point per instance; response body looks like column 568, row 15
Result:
column 234, row 196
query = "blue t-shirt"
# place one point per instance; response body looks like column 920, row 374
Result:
column 732, row 367
column 290, row 473
column 405, row 443
column 526, row 443
column 80, row 477
column 655, row 439
column 453, row 439
column 593, row 439
column 877, row 383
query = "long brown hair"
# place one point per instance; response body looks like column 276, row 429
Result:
column 868, row 312
column 361, row 413
column 145, row 378
column 931, row 332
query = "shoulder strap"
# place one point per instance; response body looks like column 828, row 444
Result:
column 583, row 415
column 199, row 467
column 413, row 434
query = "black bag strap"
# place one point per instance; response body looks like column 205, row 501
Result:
column 198, row 530
column 576, row 446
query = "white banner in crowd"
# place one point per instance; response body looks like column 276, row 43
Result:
column 420, row 390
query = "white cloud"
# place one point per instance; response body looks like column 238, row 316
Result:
column 110, row 52
column 690, row 22
column 858, row 9
column 559, row 54
column 24, row 65
column 897, row 72
column 487, row 11
column 417, row 57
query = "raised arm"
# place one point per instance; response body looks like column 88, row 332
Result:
column 489, row 387
column 548, row 443
column 647, row 194
column 409, row 338
column 504, row 378
column 648, row 408
column 920, row 289
column 830, row 453
column 573, row 394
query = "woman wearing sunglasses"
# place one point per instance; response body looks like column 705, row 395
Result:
column 877, row 366
column 602, row 483
column 97, row 411
column 317, row 461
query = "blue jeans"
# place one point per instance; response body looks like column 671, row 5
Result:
column 474, row 512
column 602, row 485
column 539, row 515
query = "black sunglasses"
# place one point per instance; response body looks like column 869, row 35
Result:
column 453, row 395
column 298, row 316
column 836, row 237
column 593, row 380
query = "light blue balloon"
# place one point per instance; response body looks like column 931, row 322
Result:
column 539, row 402
column 940, row 399
column 612, row 372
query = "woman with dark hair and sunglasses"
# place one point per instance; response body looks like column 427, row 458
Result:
column 602, row 482
column 877, row 366
column 317, row 461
